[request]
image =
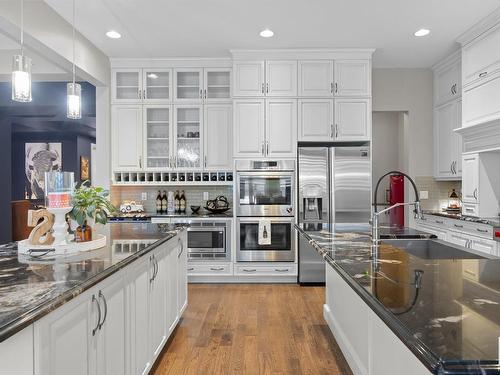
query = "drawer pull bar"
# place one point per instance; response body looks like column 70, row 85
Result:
column 216, row 268
column 439, row 222
column 482, row 74
column 482, row 230
column 459, row 226
column 249, row 270
column 281, row 269
column 191, row 269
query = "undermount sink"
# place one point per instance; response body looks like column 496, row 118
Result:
column 433, row 249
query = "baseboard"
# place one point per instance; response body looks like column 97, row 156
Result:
column 242, row 279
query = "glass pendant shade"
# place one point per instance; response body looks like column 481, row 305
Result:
column 21, row 78
column 74, row 103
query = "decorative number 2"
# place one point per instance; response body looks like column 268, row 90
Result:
column 41, row 233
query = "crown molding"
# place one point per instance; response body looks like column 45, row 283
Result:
column 448, row 60
column 303, row 54
column 184, row 62
column 481, row 137
column 487, row 23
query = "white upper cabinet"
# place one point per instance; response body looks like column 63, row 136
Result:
column 352, row 78
column 281, row 78
column 470, row 179
column 481, row 101
column 218, row 136
column 481, row 57
column 448, row 146
column 248, row 78
column 188, row 135
column 126, row 86
column 157, row 85
column 316, row 78
column 281, row 127
column 315, row 117
column 217, row 84
column 188, row 84
column 249, row 120
column 352, row 119
column 447, row 82
column 158, row 136
column 127, row 137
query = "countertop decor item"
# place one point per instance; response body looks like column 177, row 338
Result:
column 217, row 205
column 195, row 209
column 59, row 187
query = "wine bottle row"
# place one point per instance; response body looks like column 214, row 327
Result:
column 170, row 203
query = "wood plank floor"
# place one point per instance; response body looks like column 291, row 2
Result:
column 253, row 329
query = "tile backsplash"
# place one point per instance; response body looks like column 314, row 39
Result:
column 439, row 191
column 194, row 194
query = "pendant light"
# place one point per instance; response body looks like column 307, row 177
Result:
column 21, row 70
column 74, row 90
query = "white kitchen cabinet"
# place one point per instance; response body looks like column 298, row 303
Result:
column 315, row 78
column 182, row 266
column 188, row 84
column 249, row 131
column 127, row 137
column 484, row 245
column 447, row 81
column 158, row 137
column 16, row 348
column 134, row 86
column 315, row 120
column 352, row 119
column 281, row 78
column 157, row 85
column 481, row 101
column 158, row 299
column 481, row 57
column 217, row 84
column 172, row 316
column 447, row 143
column 458, row 238
column 352, row 78
column 248, row 78
column 218, row 136
column 470, row 178
column 126, row 86
column 281, row 127
column 188, row 122
column 439, row 233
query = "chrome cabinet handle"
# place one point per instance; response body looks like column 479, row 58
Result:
column 140, row 94
column 153, row 275
column 482, row 230
column 451, row 167
column 144, row 94
column 331, row 130
column 336, row 88
column 201, row 93
column 105, row 308
column 439, row 221
column 205, row 160
column 182, row 250
column 281, row 269
column 190, row 269
column 474, row 194
column 267, row 148
column 458, row 226
column 482, row 74
column 455, row 167
column 262, row 149
column 205, row 91
column 249, row 270
column 267, row 88
column 94, row 299
column 331, row 88
column 140, row 162
column 336, row 131
column 156, row 267
column 262, row 89
column 216, row 268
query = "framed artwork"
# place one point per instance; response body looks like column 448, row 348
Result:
column 84, row 168
column 40, row 158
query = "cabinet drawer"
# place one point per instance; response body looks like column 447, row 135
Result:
column 480, row 230
column 210, row 269
column 470, row 209
column 289, row 270
column 435, row 222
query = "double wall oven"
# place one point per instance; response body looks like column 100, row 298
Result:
column 265, row 192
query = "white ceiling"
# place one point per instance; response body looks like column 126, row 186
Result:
column 209, row 28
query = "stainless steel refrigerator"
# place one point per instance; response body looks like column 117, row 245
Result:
column 334, row 187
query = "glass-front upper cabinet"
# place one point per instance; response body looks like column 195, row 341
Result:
column 158, row 137
column 127, row 85
column 188, row 84
column 157, row 85
column 188, row 133
column 217, row 84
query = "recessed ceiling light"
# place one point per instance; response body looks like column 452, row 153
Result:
column 266, row 33
column 152, row 75
column 113, row 34
column 422, row 32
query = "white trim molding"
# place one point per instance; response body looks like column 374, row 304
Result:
column 479, row 28
column 481, row 137
column 304, row 54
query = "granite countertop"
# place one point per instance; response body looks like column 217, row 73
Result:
column 493, row 221
column 31, row 288
column 452, row 323
column 188, row 215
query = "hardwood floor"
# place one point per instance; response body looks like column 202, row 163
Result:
column 253, row 329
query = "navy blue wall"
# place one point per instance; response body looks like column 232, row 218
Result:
column 5, row 184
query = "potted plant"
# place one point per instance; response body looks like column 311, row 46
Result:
column 90, row 206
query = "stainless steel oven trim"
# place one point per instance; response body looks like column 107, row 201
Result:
column 265, row 210
column 267, row 255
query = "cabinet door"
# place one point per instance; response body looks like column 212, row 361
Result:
column 64, row 341
column 458, row 238
column 182, row 292
column 218, row 136
column 139, row 317
column 217, row 84
column 157, row 85
column 126, row 86
column 457, row 140
column 316, row 78
column 158, row 137
column 481, row 102
column 111, row 339
column 352, row 78
column 281, row 77
column 188, row 85
column 188, row 129
column 158, row 300
column 484, row 245
column 249, row 128
column 445, row 119
column 248, row 78
column 470, row 178
column 352, row 119
column 447, row 83
column 281, row 127
column 127, row 137
column 315, row 119
column 172, row 291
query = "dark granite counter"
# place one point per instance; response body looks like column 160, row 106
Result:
column 32, row 287
column 451, row 322
column 203, row 214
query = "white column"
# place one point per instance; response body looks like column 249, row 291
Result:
column 103, row 138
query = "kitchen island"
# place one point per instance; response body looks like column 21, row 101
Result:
column 111, row 309
column 393, row 312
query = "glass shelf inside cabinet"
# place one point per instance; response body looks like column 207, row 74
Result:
column 158, row 137
column 157, row 85
column 218, row 85
column 188, row 85
column 127, row 85
column 188, row 138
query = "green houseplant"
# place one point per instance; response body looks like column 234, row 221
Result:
column 90, row 204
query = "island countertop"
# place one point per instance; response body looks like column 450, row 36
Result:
column 31, row 288
column 452, row 324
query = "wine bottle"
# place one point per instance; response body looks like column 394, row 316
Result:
column 177, row 202
column 182, row 202
column 164, row 202
column 159, row 203
column 264, row 232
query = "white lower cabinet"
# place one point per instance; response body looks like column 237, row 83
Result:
column 13, row 349
column 120, row 325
